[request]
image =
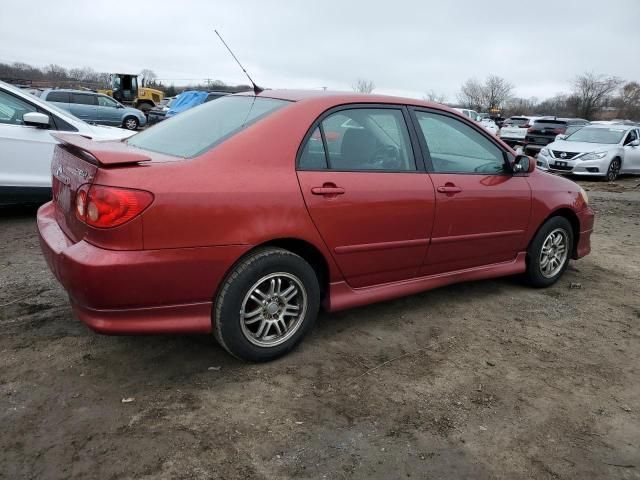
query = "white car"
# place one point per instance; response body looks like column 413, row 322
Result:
column 595, row 151
column 472, row 114
column 26, row 145
column 514, row 129
column 490, row 125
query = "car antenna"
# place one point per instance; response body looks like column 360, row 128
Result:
column 256, row 88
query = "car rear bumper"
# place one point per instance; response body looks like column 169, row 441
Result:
column 583, row 244
column 136, row 292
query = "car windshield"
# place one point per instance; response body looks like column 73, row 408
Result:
column 205, row 126
column 597, row 135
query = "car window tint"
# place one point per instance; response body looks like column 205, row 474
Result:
column 106, row 102
column 368, row 139
column 62, row 97
column 631, row 137
column 13, row 108
column 313, row 156
column 83, row 99
column 455, row 147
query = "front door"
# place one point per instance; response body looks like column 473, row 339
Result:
column 108, row 111
column 482, row 210
column 367, row 195
column 631, row 162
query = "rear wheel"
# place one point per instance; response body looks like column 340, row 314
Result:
column 549, row 252
column 266, row 305
column 614, row 170
column 130, row 123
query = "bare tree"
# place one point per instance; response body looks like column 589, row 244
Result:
column 591, row 91
column 496, row 92
column 435, row 97
column 629, row 100
column 148, row 76
column 472, row 94
column 363, row 86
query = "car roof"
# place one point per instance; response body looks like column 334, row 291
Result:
column 621, row 126
column 339, row 98
column 72, row 90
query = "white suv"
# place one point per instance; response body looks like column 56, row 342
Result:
column 26, row 147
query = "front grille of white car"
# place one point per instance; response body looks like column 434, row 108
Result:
column 564, row 155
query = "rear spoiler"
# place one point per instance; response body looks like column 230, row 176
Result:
column 105, row 153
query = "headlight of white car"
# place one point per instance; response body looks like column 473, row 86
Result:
column 545, row 152
column 594, row 156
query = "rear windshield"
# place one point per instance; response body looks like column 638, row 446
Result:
column 516, row 121
column 195, row 131
column 550, row 123
column 598, row 135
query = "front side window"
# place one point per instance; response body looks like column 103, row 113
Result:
column 361, row 139
column 106, row 102
column 455, row 147
column 13, row 108
column 633, row 135
column 201, row 128
column 83, row 99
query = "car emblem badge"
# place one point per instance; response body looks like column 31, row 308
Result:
column 563, row 155
column 59, row 171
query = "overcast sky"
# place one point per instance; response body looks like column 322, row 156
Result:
column 406, row 47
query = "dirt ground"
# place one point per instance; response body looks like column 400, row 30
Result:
column 488, row 379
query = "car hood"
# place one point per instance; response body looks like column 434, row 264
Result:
column 580, row 147
column 101, row 132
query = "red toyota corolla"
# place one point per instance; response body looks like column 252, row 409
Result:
column 243, row 216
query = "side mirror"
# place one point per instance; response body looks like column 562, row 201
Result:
column 36, row 119
column 635, row 143
column 523, row 164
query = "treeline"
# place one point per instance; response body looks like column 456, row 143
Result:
column 592, row 97
column 58, row 76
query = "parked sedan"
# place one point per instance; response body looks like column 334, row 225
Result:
column 96, row 108
column 26, row 146
column 596, row 150
column 241, row 219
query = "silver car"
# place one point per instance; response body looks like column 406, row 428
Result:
column 594, row 151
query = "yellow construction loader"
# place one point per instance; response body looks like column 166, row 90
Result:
column 124, row 88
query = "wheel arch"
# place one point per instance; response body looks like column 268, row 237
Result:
column 573, row 219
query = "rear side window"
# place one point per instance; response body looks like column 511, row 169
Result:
column 83, row 99
column 455, row 147
column 360, row 139
column 205, row 126
column 62, row 97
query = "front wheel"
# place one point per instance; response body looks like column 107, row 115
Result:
column 130, row 123
column 266, row 305
column 614, row 170
column 549, row 252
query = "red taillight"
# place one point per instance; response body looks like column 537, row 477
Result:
column 105, row 207
column 526, row 125
column 558, row 131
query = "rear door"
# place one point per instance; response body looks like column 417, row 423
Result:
column 367, row 193
column 84, row 106
column 108, row 111
column 482, row 210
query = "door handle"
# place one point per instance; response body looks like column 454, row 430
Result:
column 449, row 188
column 327, row 189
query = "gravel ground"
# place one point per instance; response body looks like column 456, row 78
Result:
column 480, row 380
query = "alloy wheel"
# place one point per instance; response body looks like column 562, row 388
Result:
column 273, row 309
column 554, row 253
column 614, row 170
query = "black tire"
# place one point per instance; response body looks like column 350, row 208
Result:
column 228, row 327
column 130, row 123
column 534, row 274
column 614, row 170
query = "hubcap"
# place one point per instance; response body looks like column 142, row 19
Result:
column 131, row 124
column 554, row 253
column 273, row 309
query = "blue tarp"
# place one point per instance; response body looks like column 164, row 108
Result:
column 185, row 101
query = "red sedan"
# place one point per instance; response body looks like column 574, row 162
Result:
column 243, row 216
